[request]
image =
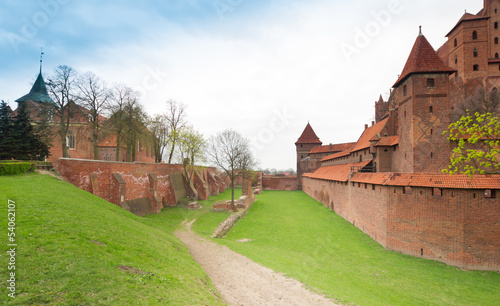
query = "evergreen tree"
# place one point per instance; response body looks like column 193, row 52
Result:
column 6, row 139
column 27, row 146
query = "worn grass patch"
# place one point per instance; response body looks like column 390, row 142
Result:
column 294, row 234
column 75, row 248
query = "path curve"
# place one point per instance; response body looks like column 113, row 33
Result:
column 242, row 281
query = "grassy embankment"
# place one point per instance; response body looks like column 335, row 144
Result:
column 294, row 234
column 75, row 248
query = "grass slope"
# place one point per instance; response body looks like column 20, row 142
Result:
column 298, row 236
column 70, row 244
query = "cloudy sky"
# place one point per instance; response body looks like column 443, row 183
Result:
column 263, row 68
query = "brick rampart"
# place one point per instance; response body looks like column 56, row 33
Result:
column 460, row 227
column 119, row 183
column 280, row 182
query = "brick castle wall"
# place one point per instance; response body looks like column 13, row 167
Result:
column 458, row 227
column 280, row 182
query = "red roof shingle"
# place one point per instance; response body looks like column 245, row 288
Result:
column 368, row 134
column 336, row 173
column 388, row 141
column 423, row 59
column 332, row 148
column 308, row 136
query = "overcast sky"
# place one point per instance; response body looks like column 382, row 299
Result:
column 263, row 68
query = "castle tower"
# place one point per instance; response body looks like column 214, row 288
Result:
column 422, row 96
column 306, row 142
column 381, row 109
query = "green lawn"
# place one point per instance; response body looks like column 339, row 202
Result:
column 298, row 236
column 70, row 245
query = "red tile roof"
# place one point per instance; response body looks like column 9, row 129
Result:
column 429, row 180
column 469, row 17
column 388, row 141
column 308, row 136
column 336, row 173
column 332, row 148
column 422, row 59
column 368, row 134
column 336, row 155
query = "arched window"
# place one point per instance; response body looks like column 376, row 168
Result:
column 455, row 42
column 496, row 25
column 496, row 40
column 71, row 139
column 496, row 55
column 476, row 53
column 474, row 35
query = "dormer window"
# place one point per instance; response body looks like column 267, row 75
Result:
column 430, row 83
column 476, row 53
column 474, row 35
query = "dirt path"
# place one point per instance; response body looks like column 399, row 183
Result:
column 242, row 281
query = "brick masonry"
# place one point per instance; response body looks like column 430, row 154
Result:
column 124, row 183
column 460, row 227
column 280, row 182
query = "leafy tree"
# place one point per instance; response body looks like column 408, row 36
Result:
column 480, row 101
column 61, row 87
column 192, row 151
column 6, row 139
column 94, row 96
column 478, row 144
column 231, row 153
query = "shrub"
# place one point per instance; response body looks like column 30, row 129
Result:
column 16, row 168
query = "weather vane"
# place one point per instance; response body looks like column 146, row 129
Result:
column 41, row 58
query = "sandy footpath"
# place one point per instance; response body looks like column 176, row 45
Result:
column 244, row 282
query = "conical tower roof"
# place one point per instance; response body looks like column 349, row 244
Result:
column 423, row 59
column 38, row 92
column 309, row 136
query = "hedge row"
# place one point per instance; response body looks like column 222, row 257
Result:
column 16, row 168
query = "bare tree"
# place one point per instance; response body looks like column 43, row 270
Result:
column 61, row 89
column 94, row 96
column 230, row 152
column 176, row 121
column 135, row 128
column 159, row 127
column 481, row 102
column 192, row 147
column 121, row 97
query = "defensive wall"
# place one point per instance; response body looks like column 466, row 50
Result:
column 141, row 188
column 455, row 220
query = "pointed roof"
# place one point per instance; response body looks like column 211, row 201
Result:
column 38, row 92
column 308, row 136
column 423, row 59
column 380, row 100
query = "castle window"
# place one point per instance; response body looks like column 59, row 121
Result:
column 496, row 25
column 456, row 59
column 373, row 187
column 404, row 90
column 437, row 192
column 405, row 114
column 432, row 131
column 71, row 139
column 430, row 83
column 407, row 190
column 496, row 40
column 431, row 109
column 474, row 35
column 455, row 42
column 496, row 11
column 496, row 55
column 489, row 194
column 475, row 67
column 432, row 155
column 476, row 53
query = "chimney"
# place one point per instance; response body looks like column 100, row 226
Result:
column 373, row 123
column 366, row 126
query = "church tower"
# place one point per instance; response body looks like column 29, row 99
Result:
column 306, row 142
column 423, row 104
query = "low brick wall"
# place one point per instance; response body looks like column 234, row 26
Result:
column 280, row 182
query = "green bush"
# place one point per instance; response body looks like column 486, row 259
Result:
column 16, row 168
